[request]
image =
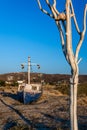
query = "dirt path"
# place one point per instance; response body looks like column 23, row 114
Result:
column 51, row 112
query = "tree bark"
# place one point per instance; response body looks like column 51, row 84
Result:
column 71, row 104
column 73, row 101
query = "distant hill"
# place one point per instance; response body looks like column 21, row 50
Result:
column 37, row 77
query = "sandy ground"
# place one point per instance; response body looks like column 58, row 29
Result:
column 50, row 112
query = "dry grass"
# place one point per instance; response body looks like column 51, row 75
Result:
column 50, row 111
column 82, row 101
column 8, row 89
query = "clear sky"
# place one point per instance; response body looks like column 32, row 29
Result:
column 26, row 31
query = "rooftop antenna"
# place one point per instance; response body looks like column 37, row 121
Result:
column 29, row 67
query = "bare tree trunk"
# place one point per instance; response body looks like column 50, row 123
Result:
column 66, row 42
column 71, row 104
column 73, row 101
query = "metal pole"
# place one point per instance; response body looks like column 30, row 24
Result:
column 29, row 70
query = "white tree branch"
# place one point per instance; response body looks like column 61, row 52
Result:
column 61, row 35
column 54, row 3
column 55, row 13
column 44, row 11
column 82, row 34
column 49, row 5
column 53, row 8
column 63, row 44
column 74, row 17
column 69, row 39
column 79, row 60
column 84, row 22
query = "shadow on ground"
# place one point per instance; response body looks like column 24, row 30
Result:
column 13, row 96
column 10, row 124
column 30, row 124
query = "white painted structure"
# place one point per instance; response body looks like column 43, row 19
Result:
column 20, row 84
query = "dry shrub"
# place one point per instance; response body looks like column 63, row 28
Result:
column 82, row 101
column 48, row 87
column 43, row 98
column 55, row 93
column 82, row 89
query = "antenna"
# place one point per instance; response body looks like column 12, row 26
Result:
column 29, row 67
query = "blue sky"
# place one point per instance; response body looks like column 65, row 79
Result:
column 26, row 31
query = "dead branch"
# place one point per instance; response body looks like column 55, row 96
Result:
column 63, row 41
column 54, row 3
column 49, row 5
column 44, row 11
column 68, row 38
column 82, row 34
column 79, row 60
column 74, row 17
